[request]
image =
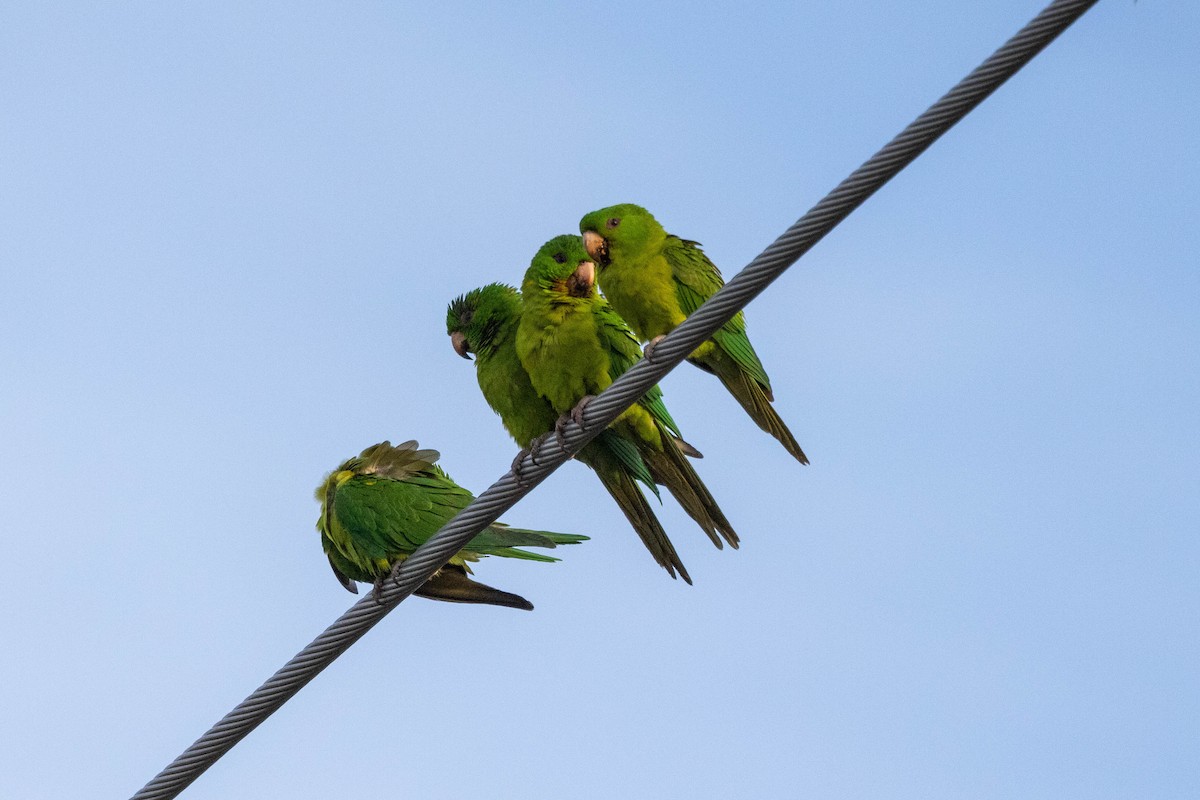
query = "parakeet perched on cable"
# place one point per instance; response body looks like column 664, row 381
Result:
column 573, row 345
column 377, row 508
column 655, row 281
column 484, row 322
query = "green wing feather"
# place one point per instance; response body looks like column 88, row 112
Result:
column 386, row 517
column 697, row 279
column 625, row 452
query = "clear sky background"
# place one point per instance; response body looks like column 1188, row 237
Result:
column 228, row 234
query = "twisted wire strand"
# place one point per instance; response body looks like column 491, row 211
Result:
column 534, row 468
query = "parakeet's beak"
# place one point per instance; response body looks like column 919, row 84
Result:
column 597, row 247
column 458, row 340
column 582, row 279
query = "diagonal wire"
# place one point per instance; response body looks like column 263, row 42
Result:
column 721, row 307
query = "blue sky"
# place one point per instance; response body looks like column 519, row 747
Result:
column 229, row 235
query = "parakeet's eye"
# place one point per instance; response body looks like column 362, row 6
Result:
column 560, row 258
column 612, row 222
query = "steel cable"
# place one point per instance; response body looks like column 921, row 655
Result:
column 503, row 494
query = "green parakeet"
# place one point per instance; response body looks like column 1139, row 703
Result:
column 655, row 281
column 484, row 322
column 573, row 345
column 376, row 509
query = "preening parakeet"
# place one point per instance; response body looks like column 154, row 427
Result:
column 377, row 508
column 655, row 281
column 484, row 322
column 573, row 345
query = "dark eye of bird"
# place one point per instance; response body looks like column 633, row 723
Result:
column 613, row 222
column 560, row 258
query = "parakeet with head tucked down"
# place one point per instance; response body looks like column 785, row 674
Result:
column 484, row 322
column 377, row 508
column 655, row 281
column 573, row 345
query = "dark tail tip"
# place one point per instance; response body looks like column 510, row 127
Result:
column 452, row 585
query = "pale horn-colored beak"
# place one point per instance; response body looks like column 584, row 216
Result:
column 458, row 340
column 583, row 279
column 595, row 245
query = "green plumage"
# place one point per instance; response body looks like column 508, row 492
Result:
column 377, row 508
column 484, row 322
column 655, row 281
column 572, row 344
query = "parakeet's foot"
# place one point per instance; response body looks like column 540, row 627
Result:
column 648, row 350
column 577, row 411
column 377, row 592
column 574, row 415
column 560, row 425
column 532, row 451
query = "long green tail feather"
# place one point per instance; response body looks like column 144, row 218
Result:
column 641, row 516
column 500, row 540
column 514, row 552
column 752, row 397
column 524, row 537
column 672, row 469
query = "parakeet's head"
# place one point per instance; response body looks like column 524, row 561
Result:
column 619, row 233
column 474, row 320
column 563, row 267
